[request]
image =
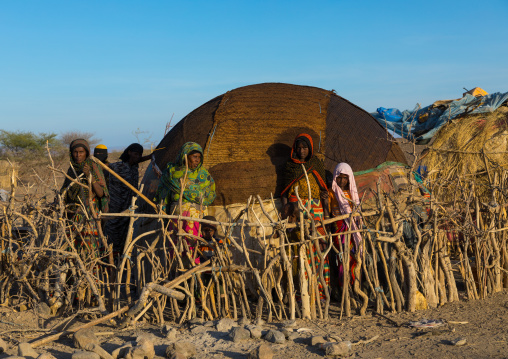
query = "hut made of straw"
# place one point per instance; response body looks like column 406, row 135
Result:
column 247, row 134
column 471, row 148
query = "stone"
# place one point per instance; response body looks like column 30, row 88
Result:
column 122, row 351
column 317, row 339
column 287, row 332
column 81, row 354
column 186, row 349
column 225, row 324
column 255, row 331
column 275, row 336
column 13, row 357
column 459, row 342
column 195, row 321
column 262, row 352
column 46, row 356
column 333, row 338
column 142, row 350
column 208, row 324
column 199, row 329
column 244, row 321
column 178, row 355
column 290, row 323
column 97, row 349
column 293, row 336
column 3, row 345
column 171, row 335
column 83, row 338
column 166, row 328
column 170, row 332
column 238, row 334
column 44, row 310
column 26, row 350
column 260, row 322
column 337, row 349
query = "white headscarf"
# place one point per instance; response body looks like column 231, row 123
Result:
column 344, row 204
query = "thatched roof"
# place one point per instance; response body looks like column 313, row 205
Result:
column 471, row 147
column 247, row 134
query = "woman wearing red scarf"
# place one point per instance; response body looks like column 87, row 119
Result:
column 313, row 192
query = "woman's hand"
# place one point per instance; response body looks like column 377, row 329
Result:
column 99, row 191
column 86, row 170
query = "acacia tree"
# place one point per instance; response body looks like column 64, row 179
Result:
column 20, row 142
column 69, row 136
column 143, row 137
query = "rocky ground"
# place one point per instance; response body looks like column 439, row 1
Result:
column 471, row 329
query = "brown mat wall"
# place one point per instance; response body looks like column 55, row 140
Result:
column 247, row 135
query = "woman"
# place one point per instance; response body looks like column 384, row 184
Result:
column 84, row 202
column 343, row 200
column 302, row 157
column 302, row 165
column 198, row 186
column 121, row 196
column 101, row 153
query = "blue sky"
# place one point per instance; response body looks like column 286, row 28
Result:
column 111, row 67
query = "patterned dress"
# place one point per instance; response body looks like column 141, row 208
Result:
column 197, row 194
column 294, row 176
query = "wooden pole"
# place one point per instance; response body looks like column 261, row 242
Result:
column 131, row 187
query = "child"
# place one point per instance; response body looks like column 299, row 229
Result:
column 208, row 233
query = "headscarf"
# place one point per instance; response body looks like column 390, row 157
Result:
column 101, row 152
column 133, row 147
column 344, row 204
column 76, row 192
column 80, row 143
column 293, row 171
column 199, row 187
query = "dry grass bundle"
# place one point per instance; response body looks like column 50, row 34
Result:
column 475, row 147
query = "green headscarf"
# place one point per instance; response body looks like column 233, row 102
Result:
column 199, row 186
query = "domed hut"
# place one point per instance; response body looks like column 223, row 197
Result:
column 247, row 134
column 470, row 152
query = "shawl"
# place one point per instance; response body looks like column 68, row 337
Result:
column 76, row 193
column 345, row 207
column 199, row 186
column 293, row 170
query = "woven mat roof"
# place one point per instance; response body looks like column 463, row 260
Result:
column 247, row 135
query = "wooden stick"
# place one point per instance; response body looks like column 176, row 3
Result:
column 57, row 336
column 131, row 187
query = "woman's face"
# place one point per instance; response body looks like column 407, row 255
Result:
column 342, row 181
column 79, row 154
column 302, row 151
column 194, row 160
column 134, row 157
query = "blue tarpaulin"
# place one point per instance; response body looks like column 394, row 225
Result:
column 407, row 124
